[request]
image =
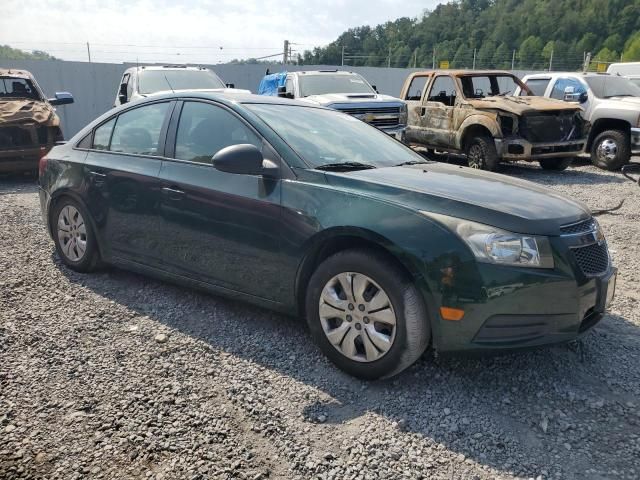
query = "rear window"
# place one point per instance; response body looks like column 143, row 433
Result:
column 11, row 87
column 537, row 86
column 323, row 84
column 151, row 81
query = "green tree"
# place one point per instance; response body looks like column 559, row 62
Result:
column 632, row 49
column 530, row 53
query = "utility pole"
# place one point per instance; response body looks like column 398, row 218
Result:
column 389, row 59
column 434, row 58
column 513, row 61
column 89, row 52
column 587, row 62
column 474, row 59
column 343, row 55
column 285, row 54
column 551, row 60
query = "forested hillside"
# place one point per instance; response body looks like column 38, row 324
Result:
column 530, row 34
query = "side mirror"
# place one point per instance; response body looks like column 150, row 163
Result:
column 61, row 98
column 282, row 92
column 584, row 96
column 244, row 159
column 230, row 85
column 570, row 95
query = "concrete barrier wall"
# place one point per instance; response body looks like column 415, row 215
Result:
column 94, row 85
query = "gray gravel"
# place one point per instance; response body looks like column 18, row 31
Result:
column 114, row 375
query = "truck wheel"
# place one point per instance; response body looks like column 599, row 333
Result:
column 555, row 163
column 481, row 153
column 611, row 150
column 366, row 314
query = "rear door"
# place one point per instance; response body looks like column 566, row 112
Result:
column 123, row 186
column 435, row 122
column 220, row 228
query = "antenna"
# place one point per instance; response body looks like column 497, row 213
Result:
column 168, row 83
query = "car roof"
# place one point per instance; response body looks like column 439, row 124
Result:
column 14, row 73
column 228, row 98
column 324, row 72
column 463, row 73
column 564, row 74
column 168, row 67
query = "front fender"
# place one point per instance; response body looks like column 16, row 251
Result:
column 487, row 120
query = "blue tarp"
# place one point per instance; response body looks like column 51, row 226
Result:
column 270, row 83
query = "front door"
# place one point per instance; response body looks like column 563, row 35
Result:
column 219, row 227
column 123, row 186
column 435, row 120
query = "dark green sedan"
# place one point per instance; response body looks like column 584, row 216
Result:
column 314, row 213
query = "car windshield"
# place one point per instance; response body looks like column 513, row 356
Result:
column 481, row 86
column 323, row 84
column 12, row 87
column 323, row 137
column 151, row 81
column 605, row 86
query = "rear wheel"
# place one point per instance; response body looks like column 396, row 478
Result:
column 555, row 163
column 366, row 314
column 481, row 154
column 611, row 150
column 73, row 236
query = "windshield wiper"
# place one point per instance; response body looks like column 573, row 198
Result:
column 345, row 166
column 414, row 162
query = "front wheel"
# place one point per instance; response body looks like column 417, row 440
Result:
column 366, row 314
column 482, row 154
column 557, row 164
column 611, row 150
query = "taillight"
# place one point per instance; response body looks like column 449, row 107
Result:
column 42, row 165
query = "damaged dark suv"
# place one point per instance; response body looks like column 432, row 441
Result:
column 29, row 125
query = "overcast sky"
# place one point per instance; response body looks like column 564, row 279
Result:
column 159, row 30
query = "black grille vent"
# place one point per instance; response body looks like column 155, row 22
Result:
column 592, row 259
column 581, row 227
column 550, row 127
column 373, row 110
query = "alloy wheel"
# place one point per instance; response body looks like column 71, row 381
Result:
column 72, row 233
column 357, row 317
column 607, row 150
column 475, row 156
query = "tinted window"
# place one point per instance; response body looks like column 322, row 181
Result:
column 85, row 142
column 323, row 84
column 204, row 129
column 138, row 130
column 416, row 88
column 17, row 88
column 103, row 135
column 537, row 86
column 150, row 81
column 443, row 90
column 562, row 83
column 322, row 136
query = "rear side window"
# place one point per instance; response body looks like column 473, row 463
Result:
column 537, row 85
column 443, row 91
column 204, row 129
column 137, row 131
column 102, row 135
column 416, row 88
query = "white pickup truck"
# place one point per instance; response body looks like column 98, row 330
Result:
column 344, row 91
column 611, row 104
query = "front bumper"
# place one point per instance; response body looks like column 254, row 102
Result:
column 518, row 148
column 635, row 139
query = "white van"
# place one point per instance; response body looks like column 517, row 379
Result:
column 631, row 70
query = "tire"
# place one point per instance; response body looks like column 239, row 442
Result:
column 481, row 154
column 557, row 164
column 611, row 150
column 393, row 348
column 73, row 236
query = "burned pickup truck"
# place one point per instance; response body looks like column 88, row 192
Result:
column 29, row 125
column 473, row 113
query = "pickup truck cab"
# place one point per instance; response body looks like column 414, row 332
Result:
column 29, row 124
column 611, row 105
column 140, row 82
column 473, row 113
column 344, row 91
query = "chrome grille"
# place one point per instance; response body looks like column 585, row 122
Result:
column 580, row 227
column 592, row 259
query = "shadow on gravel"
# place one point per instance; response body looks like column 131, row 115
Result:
column 12, row 184
column 492, row 410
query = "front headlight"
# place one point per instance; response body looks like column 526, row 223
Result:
column 493, row 245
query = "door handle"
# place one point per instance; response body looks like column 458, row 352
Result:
column 172, row 193
column 423, row 110
column 98, row 178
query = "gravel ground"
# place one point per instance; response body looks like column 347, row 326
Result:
column 114, row 375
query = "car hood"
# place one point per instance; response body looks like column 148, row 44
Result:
column 24, row 109
column 521, row 105
column 331, row 98
column 515, row 205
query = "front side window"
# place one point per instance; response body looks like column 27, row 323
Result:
column 137, row 131
column 12, row 87
column 559, row 88
column 537, row 86
column 416, row 88
column 205, row 129
column 323, row 84
column 322, row 137
column 150, row 81
column 443, row 90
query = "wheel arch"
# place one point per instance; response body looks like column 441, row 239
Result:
column 334, row 240
column 603, row 124
column 478, row 127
